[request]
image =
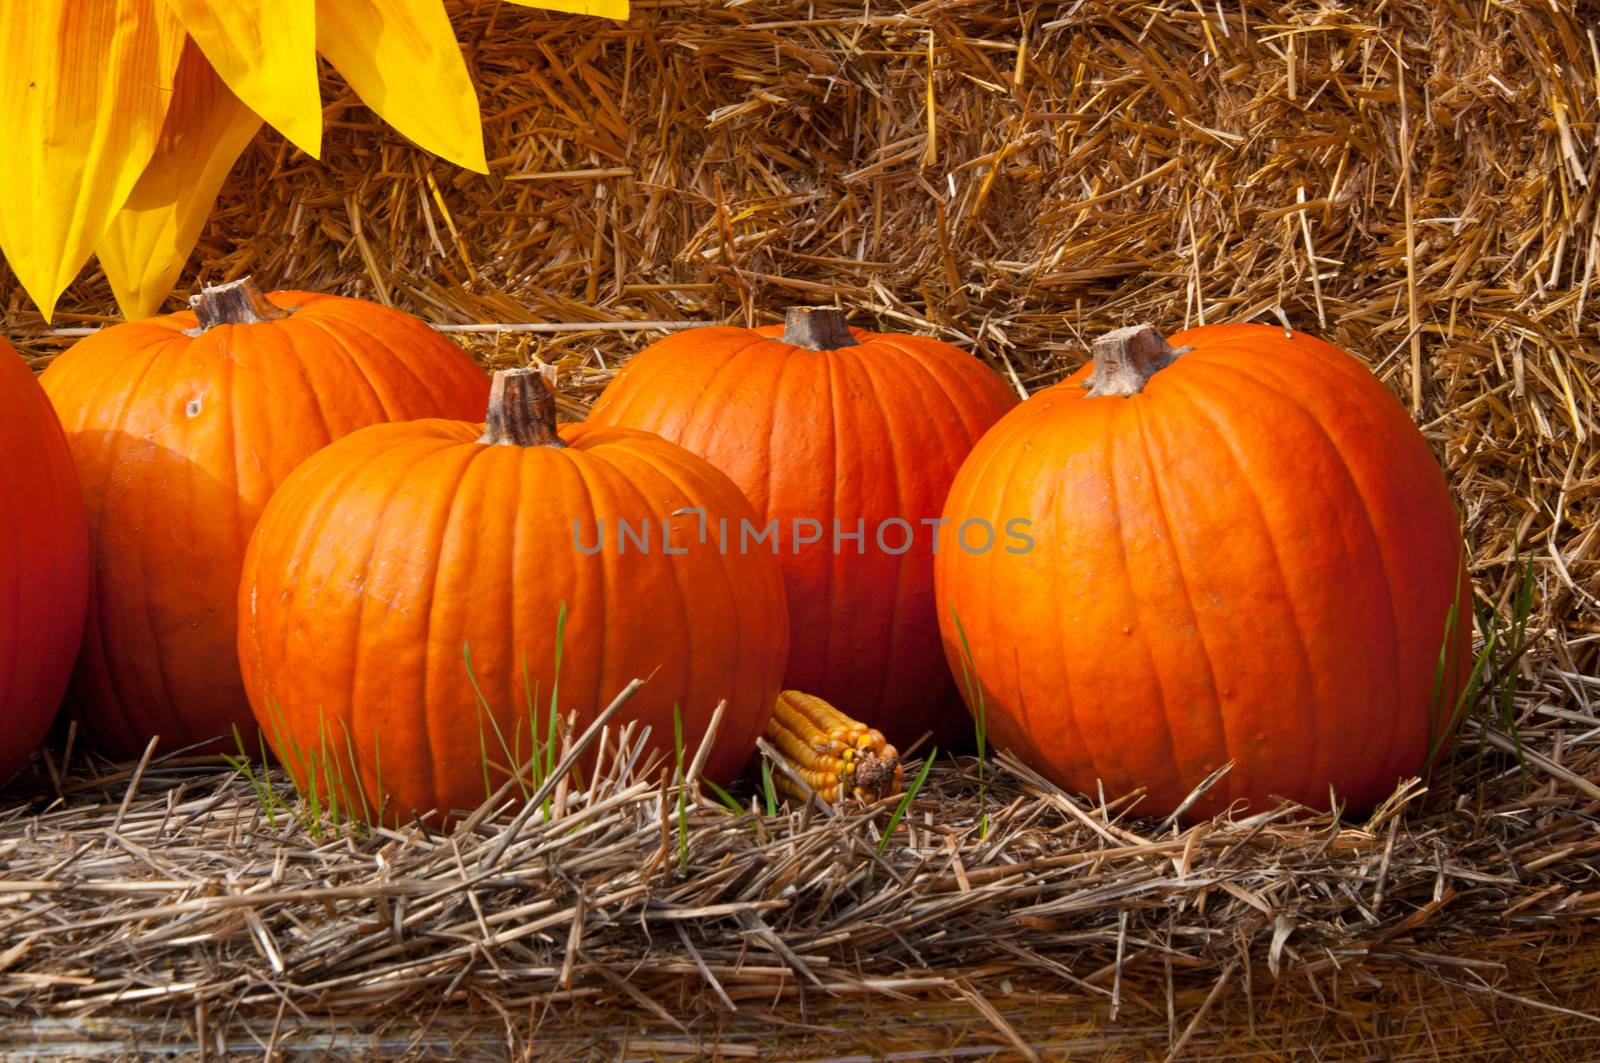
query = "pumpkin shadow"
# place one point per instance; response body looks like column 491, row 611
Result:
column 159, row 655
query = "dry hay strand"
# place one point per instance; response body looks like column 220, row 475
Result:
column 1413, row 181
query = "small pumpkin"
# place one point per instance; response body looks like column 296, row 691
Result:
column 1243, row 550
column 182, row 426
column 411, row 589
column 44, row 563
column 860, row 433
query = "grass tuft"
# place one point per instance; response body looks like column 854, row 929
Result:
column 1489, row 694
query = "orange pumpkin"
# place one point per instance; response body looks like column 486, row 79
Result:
column 182, row 426
column 44, row 563
column 1243, row 551
column 857, row 432
column 397, row 555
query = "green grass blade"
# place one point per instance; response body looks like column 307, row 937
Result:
column 259, row 784
column 552, row 738
column 725, row 797
column 382, row 797
column 905, row 800
column 483, row 710
column 561, row 639
column 332, row 795
column 530, row 695
column 275, row 804
column 355, row 771
column 683, row 791
column 980, row 716
column 969, row 672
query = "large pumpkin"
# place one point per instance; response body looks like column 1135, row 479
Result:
column 395, row 557
column 856, row 431
column 1242, row 550
column 44, row 563
column 182, row 426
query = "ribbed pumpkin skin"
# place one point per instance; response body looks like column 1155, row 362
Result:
column 179, row 442
column 44, row 563
column 1253, row 559
column 861, row 433
column 388, row 555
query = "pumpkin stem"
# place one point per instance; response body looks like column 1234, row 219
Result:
column 816, row 328
column 1126, row 358
column 238, row 302
column 522, row 411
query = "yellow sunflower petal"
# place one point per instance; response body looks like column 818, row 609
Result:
column 84, row 86
column 151, row 237
column 266, row 52
column 617, row 9
column 402, row 59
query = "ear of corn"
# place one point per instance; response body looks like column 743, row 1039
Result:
column 838, row 757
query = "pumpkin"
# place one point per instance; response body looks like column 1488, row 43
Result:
column 829, row 429
column 416, row 595
column 182, row 426
column 1242, row 550
column 44, row 563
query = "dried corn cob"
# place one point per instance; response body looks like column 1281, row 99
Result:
column 836, row 756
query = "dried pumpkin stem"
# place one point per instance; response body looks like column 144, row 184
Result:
column 522, row 411
column 1126, row 359
column 816, row 328
column 238, row 302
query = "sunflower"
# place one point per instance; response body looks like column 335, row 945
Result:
column 124, row 116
